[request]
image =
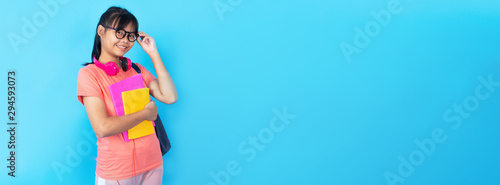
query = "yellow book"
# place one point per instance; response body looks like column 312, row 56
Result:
column 134, row 101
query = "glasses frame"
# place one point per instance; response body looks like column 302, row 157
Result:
column 136, row 34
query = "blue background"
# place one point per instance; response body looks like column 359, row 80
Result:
column 353, row 119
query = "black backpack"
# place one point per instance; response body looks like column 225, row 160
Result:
column 159, row 129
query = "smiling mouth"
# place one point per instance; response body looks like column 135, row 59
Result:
column 121, row 47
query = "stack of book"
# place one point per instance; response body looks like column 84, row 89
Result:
column 129, row 96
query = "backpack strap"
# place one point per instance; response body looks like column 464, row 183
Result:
column 136, row 68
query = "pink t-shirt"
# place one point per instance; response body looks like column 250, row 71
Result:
column 115, row 158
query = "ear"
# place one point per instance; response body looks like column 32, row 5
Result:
column 100, row 30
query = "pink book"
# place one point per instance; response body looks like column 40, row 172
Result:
column 116, row 89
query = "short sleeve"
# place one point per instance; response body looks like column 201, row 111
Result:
column 87, row 85
column 146, row 75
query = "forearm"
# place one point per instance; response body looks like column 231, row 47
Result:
column 117, row 124
column 165, row 82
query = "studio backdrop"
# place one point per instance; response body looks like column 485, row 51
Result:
column 269, row 92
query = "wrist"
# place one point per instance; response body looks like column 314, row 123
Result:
column 154, row 55
column 145, row 113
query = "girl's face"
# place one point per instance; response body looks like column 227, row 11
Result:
column 113, row 46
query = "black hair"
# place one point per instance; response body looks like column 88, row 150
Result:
column 116, row 17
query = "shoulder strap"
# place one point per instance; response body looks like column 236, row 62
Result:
column 136, row 68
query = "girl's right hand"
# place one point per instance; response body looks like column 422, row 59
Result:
column 152, row 111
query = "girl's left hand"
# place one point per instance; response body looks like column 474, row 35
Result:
column 147, row 43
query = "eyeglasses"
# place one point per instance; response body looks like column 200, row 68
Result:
column 120, row 33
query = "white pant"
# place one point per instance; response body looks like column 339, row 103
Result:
column 151, row 177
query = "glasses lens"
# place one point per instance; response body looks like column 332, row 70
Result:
column 132, row 37
column 120, row 34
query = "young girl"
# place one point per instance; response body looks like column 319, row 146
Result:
column 119, row 162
